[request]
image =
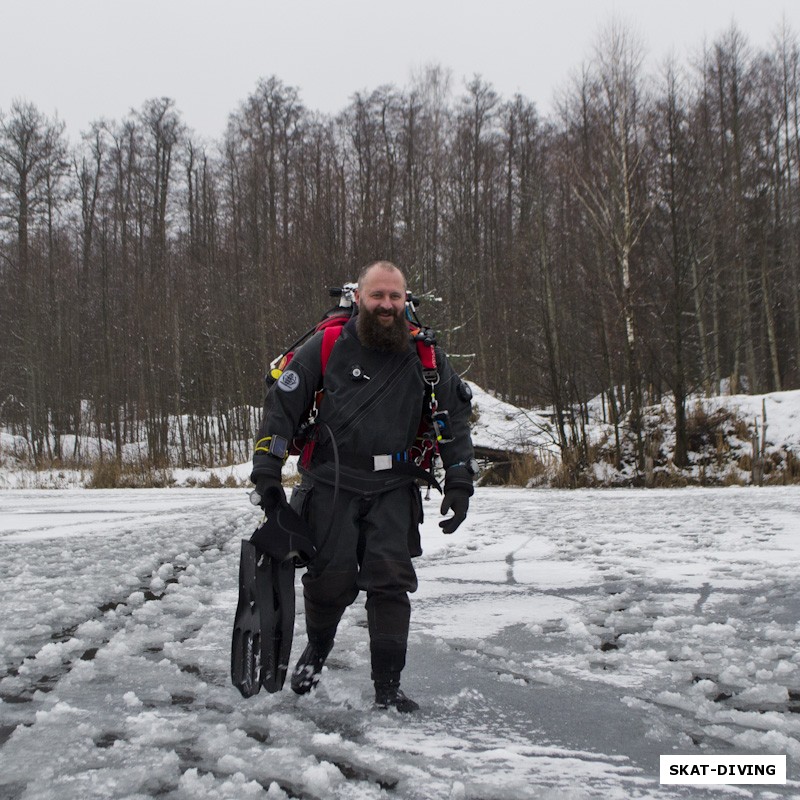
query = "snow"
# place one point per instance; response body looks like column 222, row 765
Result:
column 500, row 425
column 561, row 641
column 782, row 410
column 720, row 454
column 721, row 449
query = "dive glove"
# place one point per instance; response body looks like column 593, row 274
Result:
column 457, row 501
column 458, row 489
column 268, row 494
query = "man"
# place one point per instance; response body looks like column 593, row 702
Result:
column 365, row 511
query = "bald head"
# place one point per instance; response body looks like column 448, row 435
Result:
column 375, row 266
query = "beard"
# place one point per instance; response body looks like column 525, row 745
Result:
column 374, row 334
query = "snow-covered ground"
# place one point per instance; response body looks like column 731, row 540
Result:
column 560, row 642
column 502, row 426
column 721, row 431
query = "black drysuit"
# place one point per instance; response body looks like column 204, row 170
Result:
column 365, row 522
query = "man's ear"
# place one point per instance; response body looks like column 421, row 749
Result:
column 357, row 296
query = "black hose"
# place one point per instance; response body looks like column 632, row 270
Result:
column 335, row 449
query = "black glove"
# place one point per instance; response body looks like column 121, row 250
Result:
column 458, row 488
column 457, row 501
column 270, row 493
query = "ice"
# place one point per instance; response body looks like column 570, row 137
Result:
column 560, row 642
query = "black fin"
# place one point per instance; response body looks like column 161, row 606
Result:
column 246, row 646
column 263, row 627
column 275, row 595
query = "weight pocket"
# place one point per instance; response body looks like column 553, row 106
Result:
column 300, row 501
column 417, row 517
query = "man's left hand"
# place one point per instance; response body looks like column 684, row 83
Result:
column 457, row 501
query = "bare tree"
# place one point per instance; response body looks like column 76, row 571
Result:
column 643, row 239
column 32, row 165
column 613, row 188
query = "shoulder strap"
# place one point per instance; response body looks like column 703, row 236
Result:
column 427, row 355
column 332, row 331
column 425, row 351
column 329, row 337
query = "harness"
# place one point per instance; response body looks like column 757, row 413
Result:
column 418, row 460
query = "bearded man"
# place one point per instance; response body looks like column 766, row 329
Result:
column 363, row 509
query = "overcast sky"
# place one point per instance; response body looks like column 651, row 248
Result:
column 86, row 59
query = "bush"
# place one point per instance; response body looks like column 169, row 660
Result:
column 526, row 469
column 790, row 472
column 704, row 430
column 792, row 469
column 669, row 477
column 111, row 474
column 105, row 475
column 573, row 472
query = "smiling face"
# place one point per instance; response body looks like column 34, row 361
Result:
column 382, row 293
column 381, row 300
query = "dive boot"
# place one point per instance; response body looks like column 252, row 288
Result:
column 388, row 694
column 306, row 672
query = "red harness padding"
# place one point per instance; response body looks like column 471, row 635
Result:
column 332, row 329
column 425, row 350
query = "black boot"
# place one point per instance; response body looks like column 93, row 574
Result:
column 388, row 694
column 306, row 672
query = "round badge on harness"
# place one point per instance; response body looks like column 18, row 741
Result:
column 289, row 381
column 464, row 392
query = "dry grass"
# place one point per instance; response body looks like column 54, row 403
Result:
column 110, row 474
column 704, row 430
column 790, row 474
column 573, row 471
column 669, row 477
column 526, row 469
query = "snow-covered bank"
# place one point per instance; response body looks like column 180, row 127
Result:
column 731, row 440
column 499, row 425
column 561, row 641
column 726, row 434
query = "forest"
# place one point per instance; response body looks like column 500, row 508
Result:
column 640, row 241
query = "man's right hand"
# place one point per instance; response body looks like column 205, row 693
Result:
column 270, row 494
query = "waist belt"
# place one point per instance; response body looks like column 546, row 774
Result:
column 398, row 463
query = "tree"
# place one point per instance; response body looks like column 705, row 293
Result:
column 611, row 182
column 32, row 166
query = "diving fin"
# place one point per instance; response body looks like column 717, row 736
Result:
column 263, row 627
column 246, row 645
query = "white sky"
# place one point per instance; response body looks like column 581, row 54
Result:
column 86, row 59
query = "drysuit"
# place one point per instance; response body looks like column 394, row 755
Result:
column 365, row 519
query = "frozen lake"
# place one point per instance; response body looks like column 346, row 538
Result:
column 561, row 641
